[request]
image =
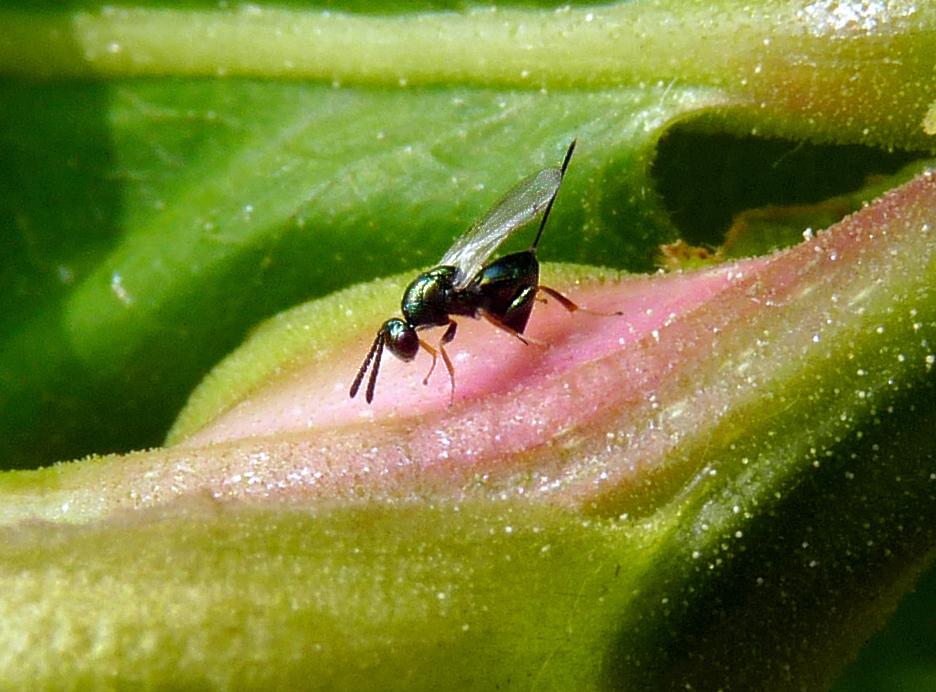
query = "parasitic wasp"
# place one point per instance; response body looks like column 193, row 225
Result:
column 501, row 292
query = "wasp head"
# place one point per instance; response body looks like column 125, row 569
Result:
column 400, row 338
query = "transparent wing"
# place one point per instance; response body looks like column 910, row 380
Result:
column 514, row 210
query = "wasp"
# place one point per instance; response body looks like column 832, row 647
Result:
column 465, row 284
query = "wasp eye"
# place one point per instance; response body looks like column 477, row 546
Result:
column 401, row 339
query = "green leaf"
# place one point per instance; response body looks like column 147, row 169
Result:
column 155, row 211
column 774, row 486
column 256, row 213
column 152, row 222
column 388, row 597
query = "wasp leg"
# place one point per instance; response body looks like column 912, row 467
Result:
column 513, row 332
column 570, row 306
column 446, row 338
column 435, row 355
column 450, row 368
column 449, row 333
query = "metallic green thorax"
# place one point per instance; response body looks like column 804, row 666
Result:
column 427, row 300
column 504, row 289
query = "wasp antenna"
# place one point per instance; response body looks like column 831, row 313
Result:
column 378, row 350
column 375, row 347
column 549, row 204
column 568, row 157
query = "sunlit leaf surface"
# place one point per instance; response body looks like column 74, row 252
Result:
column 736, row 488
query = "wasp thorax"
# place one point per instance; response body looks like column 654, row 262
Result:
column 401, row 339
column 426, row 300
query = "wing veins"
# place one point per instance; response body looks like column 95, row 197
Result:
column 514, row 210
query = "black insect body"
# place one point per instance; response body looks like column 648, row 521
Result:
column 502, row 292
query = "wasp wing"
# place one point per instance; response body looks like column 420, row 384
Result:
column 514, row 210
